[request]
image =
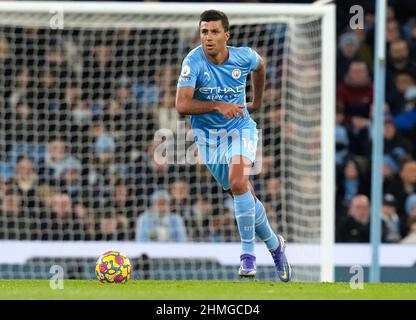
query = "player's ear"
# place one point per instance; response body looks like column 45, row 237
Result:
column 227, row 35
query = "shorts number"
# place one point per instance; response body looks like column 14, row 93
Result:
column 248, row 145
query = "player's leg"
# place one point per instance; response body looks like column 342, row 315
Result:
column 244, row 208
column 262, row 225
column 275, row 243
column 240, row 158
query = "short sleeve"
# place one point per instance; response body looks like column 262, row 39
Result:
column 254, row 59
column 189, row 73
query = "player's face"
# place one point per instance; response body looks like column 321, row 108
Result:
column 213, row 37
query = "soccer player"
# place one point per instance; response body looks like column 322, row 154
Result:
column 211, row 89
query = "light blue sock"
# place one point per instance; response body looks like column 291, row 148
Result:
column 263, row 229
column 245, row 216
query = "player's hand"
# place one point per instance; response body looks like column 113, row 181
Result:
column 251, row 107
column 231, row 110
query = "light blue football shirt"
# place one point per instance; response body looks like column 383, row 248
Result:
column 225, row 82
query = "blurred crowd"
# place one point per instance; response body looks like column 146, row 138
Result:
column 81, row 109
column 353, row 130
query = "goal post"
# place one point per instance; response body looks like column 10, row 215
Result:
column 119, row 62
column 328, row 186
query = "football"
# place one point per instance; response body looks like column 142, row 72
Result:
column 113, row 267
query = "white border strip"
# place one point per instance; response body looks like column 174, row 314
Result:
column 391, row 255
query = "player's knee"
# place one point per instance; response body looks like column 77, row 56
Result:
column 239, row 185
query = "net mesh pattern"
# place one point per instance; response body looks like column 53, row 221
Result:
column 81, row 105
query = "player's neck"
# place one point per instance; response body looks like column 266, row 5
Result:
column 220, row 58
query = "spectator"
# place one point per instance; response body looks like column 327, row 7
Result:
column 214, row 228
column 13, row 224
column 46, row 93
column 83, row 214
column 348, row 47
column 266, row 166
column 158, row 223
column 399, row 60
column 73, row 119
column 272, row 127
column 104, row 147
column 342, row 143
column 405, row 120
column 127, row 50
column 119, row 105
column 273, row 188
column 99, row 72
column 112, row 226
column 6, row 70
column 124, row 206
column 390, row 219
column 96, row 129
column 222, row 226
column 165, row 110
column 197, row 227
column 395, row 144
column 23, row 83
column 152, row 172
column 229, row 226
column 411, row 237
column 348, row 141
column 80, row 112
column 390, row 171
column 4, row 181
column 356, row 226
column 365, row 52
column 412, row 39
column 62, row 222
column 45, row 193
column 160, row 91
column 107, row 229
column 103, row 170
column 403, row 186
column 181, row 204
column 26, row 181
column 20, row 124
column 351, row 181
column 56, row 60
column 395, row 97
column 71, row 179
column 125, row 121
column 391, row 14
column 273, row 204
column 410, row 206
column 356, row 94
column 393, row 32
column 56, row 157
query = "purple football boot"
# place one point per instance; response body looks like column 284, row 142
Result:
column 284, row 271
column 248, row 265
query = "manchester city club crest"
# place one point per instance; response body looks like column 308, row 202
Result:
column 236, row 73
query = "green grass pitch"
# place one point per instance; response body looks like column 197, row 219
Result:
column 202, row 290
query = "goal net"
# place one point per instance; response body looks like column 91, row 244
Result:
column 87, row 98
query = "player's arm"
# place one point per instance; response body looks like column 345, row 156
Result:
column 187, row 105
column 258, row 79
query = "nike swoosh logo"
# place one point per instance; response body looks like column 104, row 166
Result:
column 284, row 272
